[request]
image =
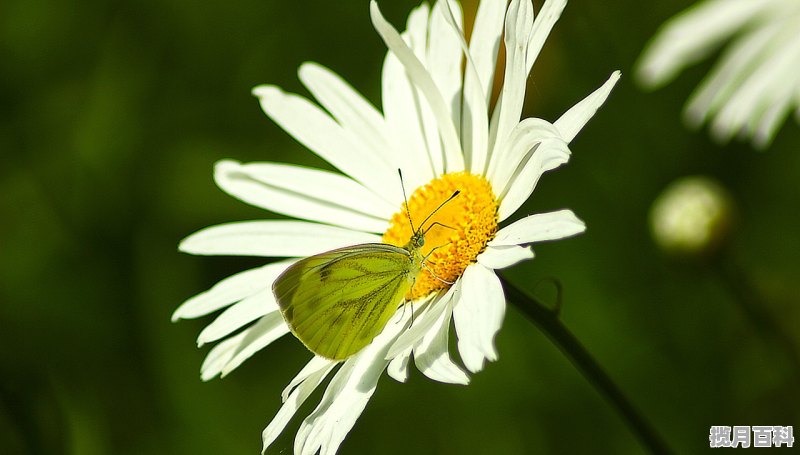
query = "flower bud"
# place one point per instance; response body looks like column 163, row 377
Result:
column 692, row 217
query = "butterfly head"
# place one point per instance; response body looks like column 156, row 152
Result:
column 417, row 240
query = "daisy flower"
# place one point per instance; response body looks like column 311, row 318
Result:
column 437, row 128
column 756, row 83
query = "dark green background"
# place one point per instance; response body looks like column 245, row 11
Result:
column 113, row 114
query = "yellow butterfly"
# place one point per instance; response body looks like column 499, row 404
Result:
column 337, row 302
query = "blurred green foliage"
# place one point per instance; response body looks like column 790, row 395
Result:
column 113, row 113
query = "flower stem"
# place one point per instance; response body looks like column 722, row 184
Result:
column 548, row 321
column 744, row 291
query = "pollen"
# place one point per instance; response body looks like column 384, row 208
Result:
column 456, row 233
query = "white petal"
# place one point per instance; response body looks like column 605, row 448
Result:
column 475, row 116
column 529, row 136
column 690, row 36
column 422, row 80
column 356, row 115
column 468, row 347
column 218, row 356
column 230, row 353
column 239, row 315
column 316, row 130
column 398, row 367
column 432, row 353
column 493, row 122
column 484, row 45
column 572, row 121
column 272, row 239
column 230, row 290
column 268, row 329
column 500, row 257
column 402, row 108
column 308, row 380
column 519, row 24
column 306, row 193
column 541, row 154
column 316, row 364
column 347, row 395
column 417, row 39
column 478, row 315
column 539, row 228
column 444, row 57
column 425, row 318
column 542, row 25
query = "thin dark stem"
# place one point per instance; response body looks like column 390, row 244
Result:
column 766, row 325
column 548, row 321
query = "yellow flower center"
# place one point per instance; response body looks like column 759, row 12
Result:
column 467, row 223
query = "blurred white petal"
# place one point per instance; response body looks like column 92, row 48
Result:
column 752, row 88
column 691, row 36
column 726, row 76
column 760, row 91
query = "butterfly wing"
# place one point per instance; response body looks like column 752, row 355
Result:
column 337, row 302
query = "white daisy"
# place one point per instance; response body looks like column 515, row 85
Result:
column 756, row 83
column 437, row 128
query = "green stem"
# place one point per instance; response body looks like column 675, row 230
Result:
column 548, row 321
column 766, row 325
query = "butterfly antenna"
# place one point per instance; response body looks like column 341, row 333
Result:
column 405, row 198
column 452, row 196
column 436, row 223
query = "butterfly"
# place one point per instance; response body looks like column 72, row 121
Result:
column 337, row 302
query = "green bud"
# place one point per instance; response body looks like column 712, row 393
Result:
column 692, row 217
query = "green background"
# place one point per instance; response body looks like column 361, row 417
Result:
column 113, row 114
